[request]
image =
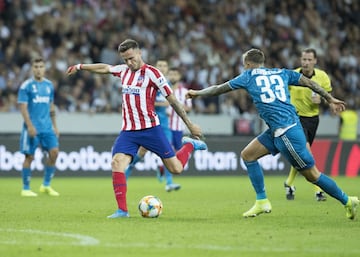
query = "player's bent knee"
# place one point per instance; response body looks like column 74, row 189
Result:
column 53, row 155
column 311, row 174
column 119, row 162
column 30, row 158
column 176, row 172
column 115, row 163
column 244, row 156
column 175, row 169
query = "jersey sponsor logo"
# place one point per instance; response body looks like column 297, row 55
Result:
column 41, row 99
column 131, row 91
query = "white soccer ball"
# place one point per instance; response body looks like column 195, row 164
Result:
column 150, row 206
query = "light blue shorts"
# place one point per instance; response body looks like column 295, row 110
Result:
column 45, row 140
column 292, row 145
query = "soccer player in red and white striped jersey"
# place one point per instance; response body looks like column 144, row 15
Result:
column 140, row 123
column 176, row 124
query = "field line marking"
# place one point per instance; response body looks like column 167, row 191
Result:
column 84, row 240
column 224, row 248
column 81, row 239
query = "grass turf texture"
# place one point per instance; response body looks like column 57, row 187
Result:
column 202, row 219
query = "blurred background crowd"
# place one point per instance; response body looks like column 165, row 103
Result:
column 205, row 39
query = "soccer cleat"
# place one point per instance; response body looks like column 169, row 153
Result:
column 289, row 191
column 119, row 214
column 160, row 173
column 28, row 193
column 351, row 206
column 320, row 196
column 260, row 206
column 198, row 144
column 48, row 190
column 172, row 187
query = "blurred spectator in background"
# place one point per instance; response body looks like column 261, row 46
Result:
column 348, row 124
column 204, row 39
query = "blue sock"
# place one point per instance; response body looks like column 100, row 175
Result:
column 48, row 175
column 256, row 176
column 26, row 175
column 329, row 186
column 169, row 176
column 128, row 170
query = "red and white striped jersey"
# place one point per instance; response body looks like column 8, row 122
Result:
column 138, row 94
column 175, row 122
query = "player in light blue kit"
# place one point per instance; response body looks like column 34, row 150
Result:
column 36, row 103
column 161, row 109
column 270, row 93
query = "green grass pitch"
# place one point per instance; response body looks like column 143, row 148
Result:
column 202, row 219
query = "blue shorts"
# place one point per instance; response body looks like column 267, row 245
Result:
column 292, row 145
column 153, row 139
column 46, row 140
column 176, row 139
column 167, row 133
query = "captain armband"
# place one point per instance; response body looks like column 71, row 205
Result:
column 78, row 66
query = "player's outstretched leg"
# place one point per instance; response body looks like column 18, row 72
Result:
column 262, row 204
column 331, row 188
column 351, row 207
column 198, row 144
column 120, row 190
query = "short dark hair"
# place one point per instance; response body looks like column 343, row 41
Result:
column 255, row 56
column 128, row 44
column 310, row 50
column 36, row 58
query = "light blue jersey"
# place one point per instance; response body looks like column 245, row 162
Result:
column 38, row 95
column 163, row 115
column 270, row 93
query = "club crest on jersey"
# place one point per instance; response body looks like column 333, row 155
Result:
column 34, row 89
column 140, row 81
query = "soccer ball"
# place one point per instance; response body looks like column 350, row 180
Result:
column 150, row 206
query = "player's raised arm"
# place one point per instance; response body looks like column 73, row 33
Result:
column 102, row 68
column 210, row 91
column 194, row 129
